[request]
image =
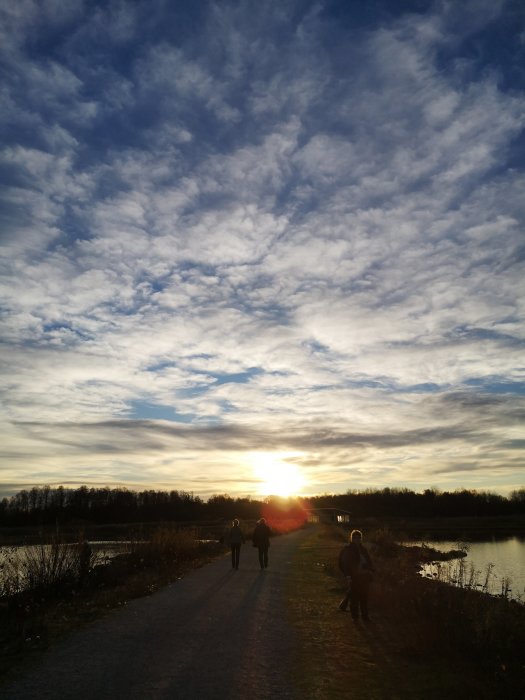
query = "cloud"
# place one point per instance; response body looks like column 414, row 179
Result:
column 436, row 431
column 322, row 208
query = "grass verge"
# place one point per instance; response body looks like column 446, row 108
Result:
column 55, row 589
column 425, row 640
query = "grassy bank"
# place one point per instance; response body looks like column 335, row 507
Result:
column 56, row 588
column 425, row 639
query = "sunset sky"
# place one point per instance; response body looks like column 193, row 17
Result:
column 253, row 247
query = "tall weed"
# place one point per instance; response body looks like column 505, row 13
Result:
column 43, row 567
column 166, row 548
column 450, row 611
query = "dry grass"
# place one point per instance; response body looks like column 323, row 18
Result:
column 425, row 640
column 43, row 567
column 51, row 588
column 486, row 632
column 166, row 549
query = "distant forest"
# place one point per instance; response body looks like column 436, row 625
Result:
column 49, row 506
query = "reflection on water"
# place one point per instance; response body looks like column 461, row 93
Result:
column 12, row 558
column 103, row 552
column 496, row 563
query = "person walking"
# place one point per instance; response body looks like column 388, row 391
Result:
column 236, row 538
column 356, row 565
column 261, row 540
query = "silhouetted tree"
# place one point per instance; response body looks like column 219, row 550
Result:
column 46, row 505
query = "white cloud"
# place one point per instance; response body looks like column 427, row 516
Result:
column 339, row 216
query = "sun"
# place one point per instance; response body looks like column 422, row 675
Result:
column 277, row 474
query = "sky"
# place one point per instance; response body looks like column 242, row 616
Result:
column 262, row 247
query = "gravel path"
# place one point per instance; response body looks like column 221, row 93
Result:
column 217, row 634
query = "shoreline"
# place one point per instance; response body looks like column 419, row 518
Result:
column 445, row 642
column 464, row 528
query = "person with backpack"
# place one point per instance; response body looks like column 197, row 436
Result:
column 261, row 540
column 356, row 565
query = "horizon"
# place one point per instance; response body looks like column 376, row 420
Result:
column 275, row 496
column 254, row 246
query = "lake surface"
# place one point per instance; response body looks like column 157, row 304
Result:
column 12, row 558
column 495, row 562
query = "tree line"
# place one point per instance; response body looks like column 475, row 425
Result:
column 389, row 502
column 49, row 506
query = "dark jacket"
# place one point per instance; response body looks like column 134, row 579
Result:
column 235, row 536
column 261, row 535
column 354, row 560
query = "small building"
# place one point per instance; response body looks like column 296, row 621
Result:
column 337, row 516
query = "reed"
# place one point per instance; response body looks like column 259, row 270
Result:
column 167, row 548
column 451, row 610
column 49, row 588
column 44, row 568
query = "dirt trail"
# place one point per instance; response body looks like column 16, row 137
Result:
column 215, row 634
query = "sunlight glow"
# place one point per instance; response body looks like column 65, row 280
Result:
column 277, row 474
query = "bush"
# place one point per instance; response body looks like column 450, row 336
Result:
column 44, row 568
column 166, row 549
column 451, row 613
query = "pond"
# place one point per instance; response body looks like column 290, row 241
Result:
column 16, row 562
column 13, row 572
column 492, row 565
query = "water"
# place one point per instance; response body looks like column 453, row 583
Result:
column 13, row 560
column 503, row 560
column 13, row 557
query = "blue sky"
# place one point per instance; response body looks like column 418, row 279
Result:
column 247, row 236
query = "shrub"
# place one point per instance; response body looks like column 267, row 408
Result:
column 44, row 567
column 451, row 612
column 167, row 548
